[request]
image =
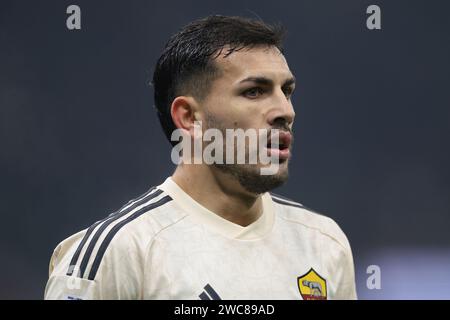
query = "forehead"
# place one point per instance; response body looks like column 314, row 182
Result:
column 258, row 61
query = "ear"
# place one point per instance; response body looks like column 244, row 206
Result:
column 185, row 111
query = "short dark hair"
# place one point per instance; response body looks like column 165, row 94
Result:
column 186, row 64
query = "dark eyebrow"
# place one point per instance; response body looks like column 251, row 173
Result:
column 267, row 81
column 289, row 82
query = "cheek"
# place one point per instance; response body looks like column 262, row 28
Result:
column 233, row 113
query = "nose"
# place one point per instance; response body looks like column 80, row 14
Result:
column 283, row 111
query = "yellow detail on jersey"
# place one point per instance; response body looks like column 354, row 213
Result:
column 312, row 286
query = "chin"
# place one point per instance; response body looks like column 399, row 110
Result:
column 251, row 179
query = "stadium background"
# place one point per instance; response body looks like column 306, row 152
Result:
column 79, row 136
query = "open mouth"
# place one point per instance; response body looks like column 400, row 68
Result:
column 280, row 147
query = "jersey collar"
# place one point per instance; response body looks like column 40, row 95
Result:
column 256, row 230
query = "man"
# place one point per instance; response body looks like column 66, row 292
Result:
column 213, row 230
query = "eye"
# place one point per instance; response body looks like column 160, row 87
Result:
column 253, row 93
column 288, row 92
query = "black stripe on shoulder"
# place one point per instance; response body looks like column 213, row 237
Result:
column 98, row 233
column 284, row 200
column 116, row 228
column 133, row 201
column 287, row 203
column 115, row 215
column 296, row 205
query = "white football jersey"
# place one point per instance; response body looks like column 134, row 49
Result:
column 165, row 245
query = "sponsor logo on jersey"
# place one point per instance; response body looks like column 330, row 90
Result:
column 209, row 293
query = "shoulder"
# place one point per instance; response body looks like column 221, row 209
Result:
column 297, row 213
column 117, row 240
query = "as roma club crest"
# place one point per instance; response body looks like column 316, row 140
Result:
column 312, row 286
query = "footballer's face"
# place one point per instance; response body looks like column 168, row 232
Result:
column 253, row 92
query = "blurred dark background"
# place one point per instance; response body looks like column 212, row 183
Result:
column 79, row 136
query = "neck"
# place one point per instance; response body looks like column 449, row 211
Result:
column 219, row 192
